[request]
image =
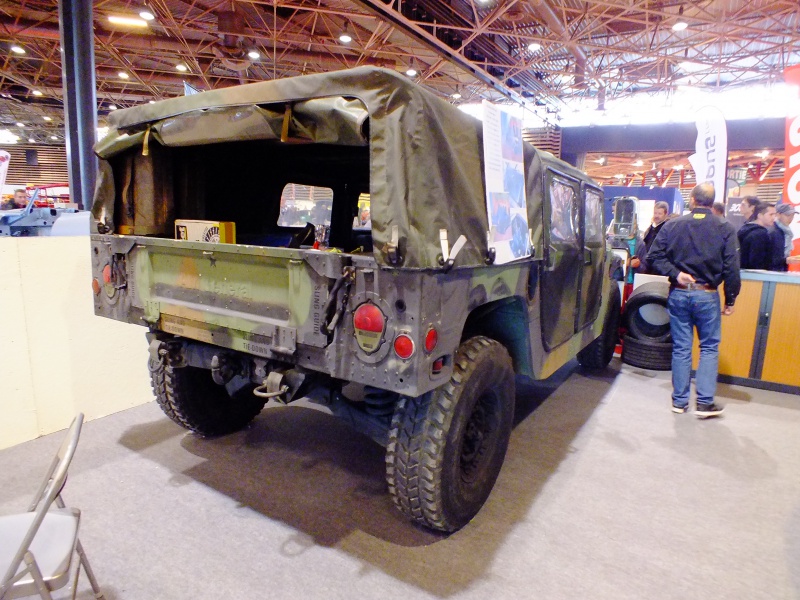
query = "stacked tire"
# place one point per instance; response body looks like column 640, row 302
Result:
column 648, row 342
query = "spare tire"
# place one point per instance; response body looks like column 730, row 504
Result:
column 646, row 316
column 656, row 356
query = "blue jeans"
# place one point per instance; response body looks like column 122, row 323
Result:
column 690, row 309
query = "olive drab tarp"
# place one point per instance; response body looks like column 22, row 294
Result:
column 426, row 169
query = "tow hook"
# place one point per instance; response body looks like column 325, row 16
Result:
column 222, row 369
column 272, row 387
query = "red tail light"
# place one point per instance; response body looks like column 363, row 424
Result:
column 368, row 323
column 403, row 346
column 431, row 339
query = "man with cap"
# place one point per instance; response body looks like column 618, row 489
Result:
column 781, row 237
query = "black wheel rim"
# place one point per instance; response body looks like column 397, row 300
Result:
column 477, row 435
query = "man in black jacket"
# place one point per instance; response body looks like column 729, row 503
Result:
column 697, row 252
column 660, row 212
column 754, row 242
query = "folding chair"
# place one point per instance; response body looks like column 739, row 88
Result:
column 39, row 546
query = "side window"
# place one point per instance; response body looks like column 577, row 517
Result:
column 594, row 216
column 301, row 204
column 563, row 212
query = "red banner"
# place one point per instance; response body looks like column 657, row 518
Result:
column 791, row 179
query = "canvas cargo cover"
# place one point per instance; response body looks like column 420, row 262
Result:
column 426, row 168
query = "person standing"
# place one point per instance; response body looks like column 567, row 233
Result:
column 754, row 242
column 782, row 238
column 748, row 207
column 697, row 252
column 660, row 212
column 719, row 210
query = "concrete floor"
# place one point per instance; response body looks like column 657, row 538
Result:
column 605, row 493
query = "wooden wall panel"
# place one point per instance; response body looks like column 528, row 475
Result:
column 738, row 332
column 783, row 341
column 52, row 166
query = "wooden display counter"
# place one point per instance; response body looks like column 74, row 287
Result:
column 761, row 340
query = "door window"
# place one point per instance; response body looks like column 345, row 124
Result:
column 563, row 222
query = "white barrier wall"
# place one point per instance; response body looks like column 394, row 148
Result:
column 56, row 357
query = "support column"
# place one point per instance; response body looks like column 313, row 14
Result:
column 80, row 105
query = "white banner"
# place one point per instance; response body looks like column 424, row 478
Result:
column 710, row 161
column 5, row 158
column 506, row 202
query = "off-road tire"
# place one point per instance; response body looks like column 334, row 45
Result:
column 189, row 396
column 599, row 353
column 447, row 446
column 656, row 356
column 655, row 293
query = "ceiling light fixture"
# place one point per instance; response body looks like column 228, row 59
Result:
column 638, row 163
column 534, row 46
column 36, row 93
column 146, row 14
column 18, row 49
column 680, row 26
column 411, row 71
column 456, row 95
column 345, row 36
column 254, row 54
column 181, row 67
column 151, row 102
column 112, row 107
column 31, row 141
column 53, row 137
column 127, row 21
column 47, row 118
column 123, row 75
column 20, row 124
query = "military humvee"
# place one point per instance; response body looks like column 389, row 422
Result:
column 412, row 337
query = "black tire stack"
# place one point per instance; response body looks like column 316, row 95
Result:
column 648, row 342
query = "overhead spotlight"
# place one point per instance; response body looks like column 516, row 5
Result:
column 146, row 14
column 638, row 163
column 601, row 161
column 254, row 54
column 484, row 2
column 456, row 95
column 127, row 21
column 47, row 118
column 152, row 102
column 763, row 154
column 18, row 49
column 345, row 36
column 20, row 124
column 123, row 75
column 534, row 46
column 679, row 25
column 53, row 137
column 112, row 107
column 678, row 167
column 411, row 71
column 31, row 141
column 181, row 67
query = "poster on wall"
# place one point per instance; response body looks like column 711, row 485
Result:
column 506, row 203
column 710, row 160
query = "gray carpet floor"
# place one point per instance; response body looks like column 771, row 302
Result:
column 605, row 494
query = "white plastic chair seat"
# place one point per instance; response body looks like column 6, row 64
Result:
column 53, row 547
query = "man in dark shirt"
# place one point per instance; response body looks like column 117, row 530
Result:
column 660, row 212
column 697, row 252
column 754, row 243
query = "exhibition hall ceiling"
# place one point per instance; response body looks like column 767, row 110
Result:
column 544, row 53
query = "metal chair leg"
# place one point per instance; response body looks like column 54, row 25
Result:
column 98, row 593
